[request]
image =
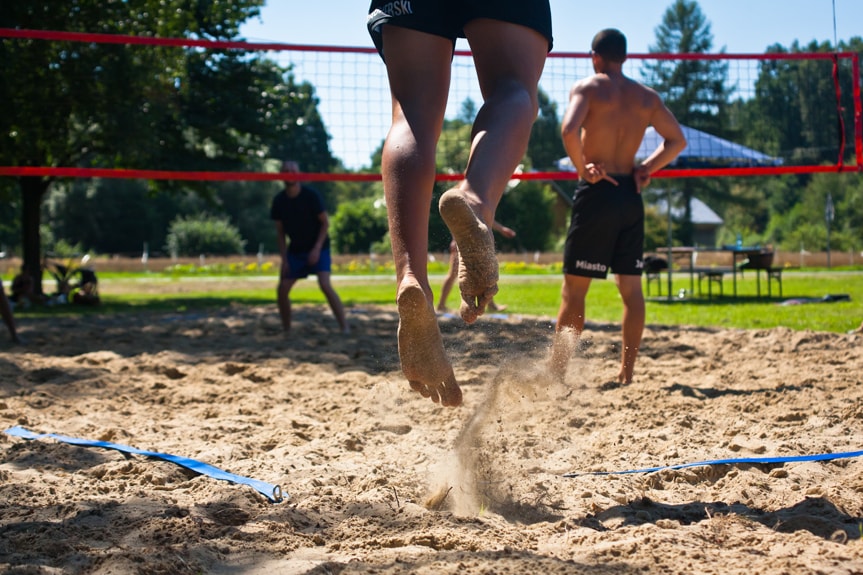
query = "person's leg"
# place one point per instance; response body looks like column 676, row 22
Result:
column 334, row 300
column 573, row 295
column 8, row 318
column 451, row 275
column 509, row 60
column 418, row 68
column 633, row 323
column 283, row 293
column 570, row 321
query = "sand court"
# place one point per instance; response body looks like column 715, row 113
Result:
column 382, row 480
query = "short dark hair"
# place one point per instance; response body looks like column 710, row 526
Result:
column 610, row 44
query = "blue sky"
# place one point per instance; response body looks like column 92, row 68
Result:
column 741, row 26
column 738, row 26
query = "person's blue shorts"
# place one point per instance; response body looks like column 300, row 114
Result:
column 300, row 268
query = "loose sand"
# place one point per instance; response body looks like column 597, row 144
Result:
column 383, row 481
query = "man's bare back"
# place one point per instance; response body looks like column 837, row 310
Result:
column 619, row 112
column 605, row 124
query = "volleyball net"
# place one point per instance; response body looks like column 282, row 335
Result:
column 745, row 114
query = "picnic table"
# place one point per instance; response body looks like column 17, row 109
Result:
column 685, row 258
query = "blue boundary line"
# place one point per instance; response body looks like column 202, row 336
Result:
column 272, row 492
column 789, row 459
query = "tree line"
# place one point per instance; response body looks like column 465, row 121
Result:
column 101, row 105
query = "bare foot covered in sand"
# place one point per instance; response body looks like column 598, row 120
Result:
column 423, row 359
column 477, row 266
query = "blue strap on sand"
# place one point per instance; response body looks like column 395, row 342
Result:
column 272, row 492
column 789, row 459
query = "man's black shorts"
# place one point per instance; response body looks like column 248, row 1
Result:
column 447, row 18
column 606, row 230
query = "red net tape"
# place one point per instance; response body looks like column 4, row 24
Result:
column 357, row 112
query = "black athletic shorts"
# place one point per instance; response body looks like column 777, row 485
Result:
column 606, row 230
column 447, row 18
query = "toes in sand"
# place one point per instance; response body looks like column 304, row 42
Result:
column 421, row 351
column 477, row 270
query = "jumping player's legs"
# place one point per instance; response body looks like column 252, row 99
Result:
column 418, row 67
column 509, row 59
column 633, row 323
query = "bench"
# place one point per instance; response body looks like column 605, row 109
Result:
column 763, row 261
column 653, row 267
column 714, row 276
column 772, row 273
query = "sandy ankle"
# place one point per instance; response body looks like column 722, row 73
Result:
column 478, row 270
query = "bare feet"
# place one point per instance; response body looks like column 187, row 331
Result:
column 477, row 266
column 423, row 359
column 496, row 307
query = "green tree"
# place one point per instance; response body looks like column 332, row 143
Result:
column 794, row 112
column 111, row 105
column 203, row 234
column 695, row 91
column 794, row 115
column 527, row 209
column 357, row 225
column 114, row 216
column 545, row 146
column 805, row 225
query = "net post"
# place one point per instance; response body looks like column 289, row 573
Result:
column 858, row 111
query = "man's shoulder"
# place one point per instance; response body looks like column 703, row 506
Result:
column 597, row 84
column 601, row 81
column 585, row 83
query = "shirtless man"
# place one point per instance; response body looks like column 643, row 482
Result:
column 602, row 131
column 510, row 40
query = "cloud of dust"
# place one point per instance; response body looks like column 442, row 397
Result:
column 481, row 470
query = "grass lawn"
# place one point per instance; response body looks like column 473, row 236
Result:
column 524, row 294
